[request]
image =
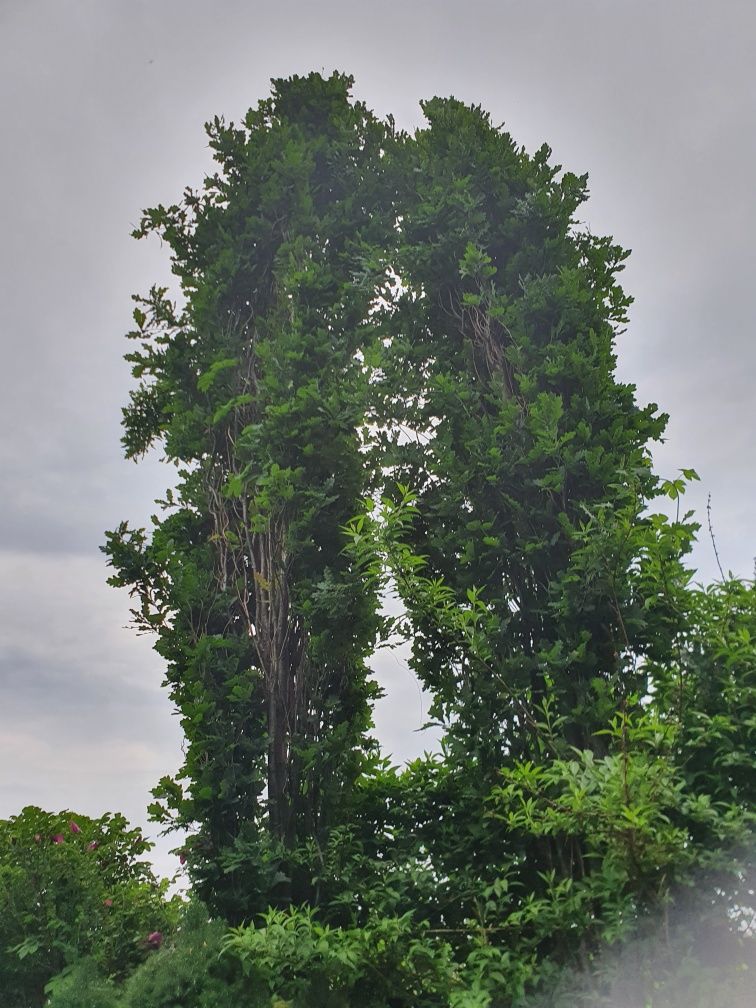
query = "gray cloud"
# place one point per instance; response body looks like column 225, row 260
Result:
column 84, row 723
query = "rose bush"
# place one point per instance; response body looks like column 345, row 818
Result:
column 70, row 887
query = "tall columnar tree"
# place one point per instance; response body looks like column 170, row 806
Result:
column 499, row 406
column 340, row 282
column 362, row 310
column 515, row 431
column 255, row 388
column 359, row 306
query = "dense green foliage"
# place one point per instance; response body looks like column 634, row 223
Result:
column 391, row 369
column 650, row 827
column 73, row 887
column 255, row 390
column 519, row 429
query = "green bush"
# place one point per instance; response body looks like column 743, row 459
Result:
column 73, row 887
column 390, row 963
column 191, row 971
column 82, row 985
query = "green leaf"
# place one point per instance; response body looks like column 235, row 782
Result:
column 206, row 380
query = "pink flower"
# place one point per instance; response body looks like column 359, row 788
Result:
column 92, row 845
column 57, row 838
column 182, row 857
column 74, row 827
column 107, row 902
column 155, row 939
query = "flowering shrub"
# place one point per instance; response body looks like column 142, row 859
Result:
column 71, row 886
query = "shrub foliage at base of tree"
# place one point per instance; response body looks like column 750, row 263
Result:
column 74, row 888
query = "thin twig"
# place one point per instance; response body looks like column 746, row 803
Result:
column 711, row 535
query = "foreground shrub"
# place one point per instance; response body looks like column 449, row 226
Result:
column 72, row 887
column 191, row 971
column 306, row 964
column 82, row 985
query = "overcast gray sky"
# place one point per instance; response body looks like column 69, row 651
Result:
column 103, row 103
